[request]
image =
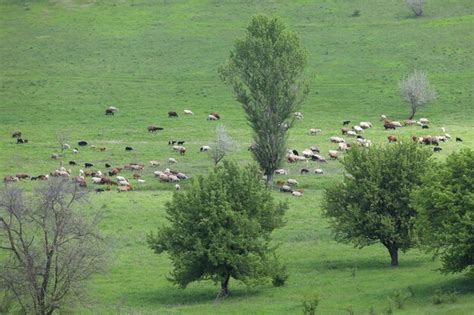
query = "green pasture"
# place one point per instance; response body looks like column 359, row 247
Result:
column 63, row 62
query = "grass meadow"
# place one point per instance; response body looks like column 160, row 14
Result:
column 62, row 62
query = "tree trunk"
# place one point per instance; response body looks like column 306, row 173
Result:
column 413, row 112
column 393, row 250
column 269, row 180
column 224, row 287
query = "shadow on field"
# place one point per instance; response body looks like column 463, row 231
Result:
column 462, row 285
column 362, row 263
column 170, row 297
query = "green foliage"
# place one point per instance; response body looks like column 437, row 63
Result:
column 279, row 273
column 265, row 70
column 310, row 306
column 372, row 203
column 398, row 298
column 220, row 227
column 445, row 202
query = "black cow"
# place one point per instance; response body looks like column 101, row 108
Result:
column 82, row 143
column 107, row 165
column 16, row 134
column 437, row 149
column 172, row 114
column 128, row 149
column 180, row 142
column 87, row 165
column 295, row 152
column 171, row 142
column 109, row 111
column 458, row 139
column 346, row 122
column 72, row 162
column 425, row 127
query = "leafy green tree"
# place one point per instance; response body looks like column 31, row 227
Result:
column 220, row 228
column 372, row 203
column 265, row 70
column 445, row 205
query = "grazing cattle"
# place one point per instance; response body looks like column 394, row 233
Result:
column 72, row 163
column 333, row 155
column 342, row 146
column 172, row 114
column 107, row 165
column 21, row 141
column 314, row 131
column 425, row 127
column 55, row 156
column 358, row 129
column 318, row 171
column 16, row 134
column 128, row 149
column 351, row 133
column 107, row 181
column 204, row 148
column 188, row 112
column 387, row 124
column 180, row 142
column 134, row 167
column 153, row 128
column 414, row 138
column 304, row 171
column 215, row 115
column 345, row 130
column 212, row 117
column 409, row 122
column 424, row 121
column 315, row 149
column 392, row 139
column 171, row 142
column 318, row 158
column 82, row 143
column 346, row 122
column 437, row 149
column 295, row 152
column 458, row 139
column 172, row 161
column 109, row 112
column 88, row 165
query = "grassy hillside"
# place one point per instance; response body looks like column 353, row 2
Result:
column 63, row 62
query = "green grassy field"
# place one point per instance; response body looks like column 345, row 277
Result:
column 63, row 62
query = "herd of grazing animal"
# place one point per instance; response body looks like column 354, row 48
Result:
column 111, row 177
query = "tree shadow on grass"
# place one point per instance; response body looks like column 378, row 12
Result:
column 361, row 263
column 464, row 284
column 173, row 296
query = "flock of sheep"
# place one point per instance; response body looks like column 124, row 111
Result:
column 356, row 132
column 112, row 178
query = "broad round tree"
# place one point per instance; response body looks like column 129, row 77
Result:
column 372, row 203
column 220, row 228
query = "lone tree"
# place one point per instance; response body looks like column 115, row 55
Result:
column 372, row 203
column 222, row 145
column 220, row 228
column 265, row 70
column 445, row 205
column 416, row 91
column 51, row 248
column 416, row 6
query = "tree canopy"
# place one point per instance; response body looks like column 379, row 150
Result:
column 265, row 70
column 372, row 203
column 445, row 202
column 220, row 228
column 415, row 89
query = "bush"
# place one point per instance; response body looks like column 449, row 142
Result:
column 356, row 13
column 440, row 296
column 310, row 306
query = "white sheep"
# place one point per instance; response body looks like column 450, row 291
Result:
column 154, row 163
column 96, row 180
column 350, row 133
column 319, row 171
column 292, row 182
column 342, row 146
column 281, row 171
column 383, row 117
column 211, row 117
column 336, row 139
column 177, row 187
column 188, row 112
column 204, row 148
column 315, row 131
column 141, row 181
column 424, row 121
column 74, row 151
column 358, row 129
column 396, row 124
column 298, row 115
column 172, row 161
column 297, row 193
column 66, row 146
column 120, row 178
column 123, row 183
column 365, row 124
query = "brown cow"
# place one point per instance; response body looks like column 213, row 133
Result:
column 392, row 139
column 215, row 115
column 153, row 128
